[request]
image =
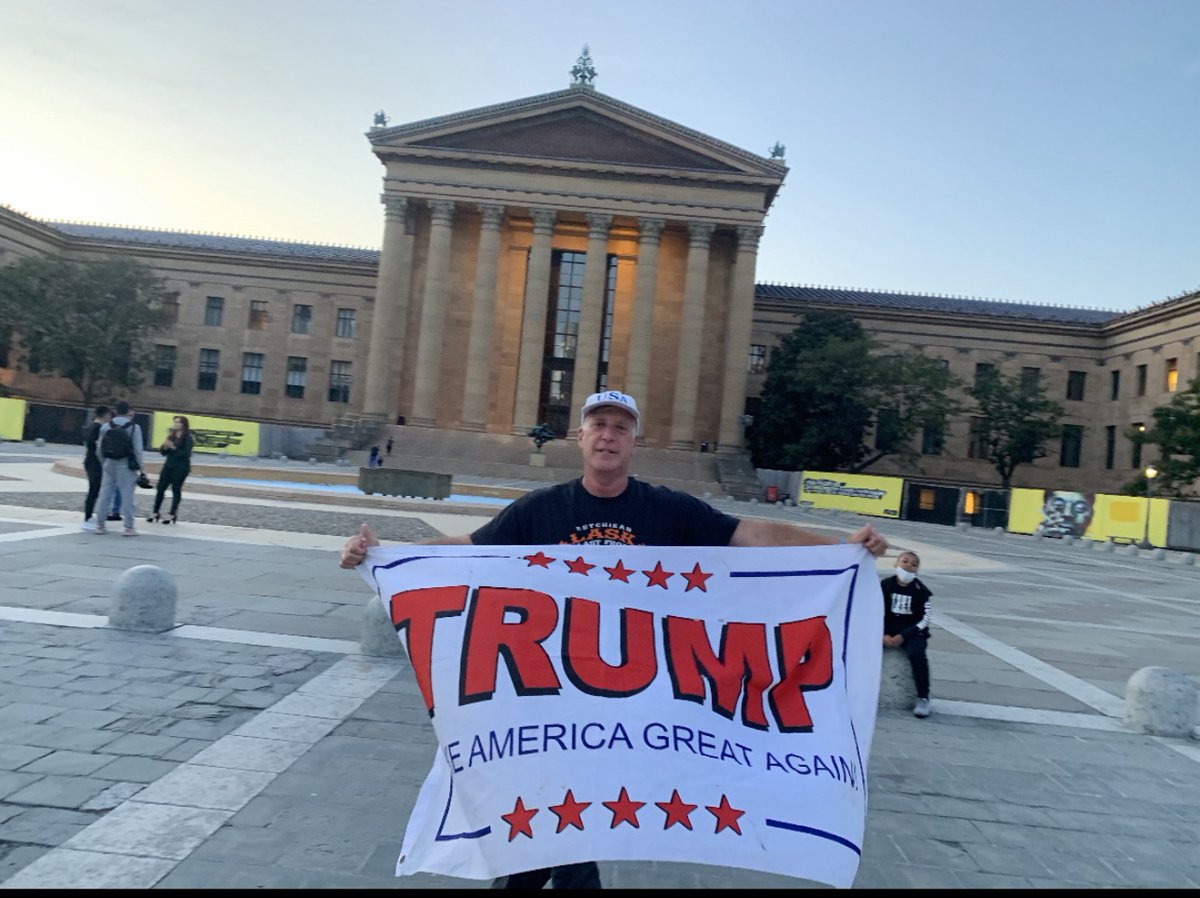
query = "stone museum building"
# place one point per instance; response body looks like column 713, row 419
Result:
column 537, row 250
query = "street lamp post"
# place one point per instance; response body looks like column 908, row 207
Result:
column 1151, row 472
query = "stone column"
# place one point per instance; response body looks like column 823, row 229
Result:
column 385, row 353
column 637, row 365
column 433, row 315
column 483, row 316
column 591, row 310
column 691, row 332
column 533, row 324
column 737, row 339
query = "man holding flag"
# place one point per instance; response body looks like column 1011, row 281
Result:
column 607, row 507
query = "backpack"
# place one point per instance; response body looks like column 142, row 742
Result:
column 117, row 441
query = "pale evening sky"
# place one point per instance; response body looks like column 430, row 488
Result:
column 1032, row 150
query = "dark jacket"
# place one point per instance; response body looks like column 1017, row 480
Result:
column 181, row 456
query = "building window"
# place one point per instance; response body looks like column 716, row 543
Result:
column 1171, row 380
column 976, row 446
column 1072, row 446
column 210, row 361
column 1141, row 380
column 757, row 362
column 1110, row 446
column 297, row 375
column 1115, row 381
column 214, row 311
column 171, row 309
column 933, row 439
column 164, row 366
column 258, row 315
column 345, row 323
column 1136, row 455
column 984, row 370
column 252, row 370
column 301, row 319
column 5, row 348
column 339, row 381
column 1030, row 378
column 1076, row 380
column 610, row 302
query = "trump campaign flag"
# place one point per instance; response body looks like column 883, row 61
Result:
column 706, row 705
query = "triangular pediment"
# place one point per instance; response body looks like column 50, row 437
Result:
column 581, row 126
column 576, row 134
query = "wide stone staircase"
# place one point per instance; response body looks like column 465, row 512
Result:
column 505, row 457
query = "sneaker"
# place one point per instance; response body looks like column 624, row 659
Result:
column 129, row 531
column 89, row 524
column 921, row 708
column 100, row 529
column 114, row 517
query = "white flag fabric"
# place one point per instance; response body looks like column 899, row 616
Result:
column 705, row 705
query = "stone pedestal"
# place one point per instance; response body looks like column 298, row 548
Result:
column 378, row 635
column 537, row 459
column 896, row 688
column 400, row 482
column 144, row 599
column 1161, row 701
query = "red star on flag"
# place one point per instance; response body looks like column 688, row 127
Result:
column 620, row 572
column 569, row 812
column 696, row 579
column 658, row 577
column 538, row 560
column 518, row 820
column 677, row 811
column 624, row 810
column 727, row 816
column 579, row 566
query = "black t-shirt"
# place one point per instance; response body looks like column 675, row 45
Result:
column 643, row 515
column 905, row 606
column 90, row 433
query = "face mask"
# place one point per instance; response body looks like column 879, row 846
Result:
column 904, row 576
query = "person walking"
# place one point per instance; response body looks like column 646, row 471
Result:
column 607, row 505
column 177, row 464
column 906, row 622
column 91, row 463
column 119, row 447
column 389, row 445
column 373, row 458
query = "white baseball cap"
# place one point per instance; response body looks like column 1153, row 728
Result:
column 616, row 399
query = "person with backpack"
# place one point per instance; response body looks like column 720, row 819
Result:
column 119, row 447
column 91, row 463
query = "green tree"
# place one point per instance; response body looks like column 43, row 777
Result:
column 87, row 321
column 828, row 384
column 1016, row 422
column 1176, row 433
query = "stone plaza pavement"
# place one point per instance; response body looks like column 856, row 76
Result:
column 252, row 746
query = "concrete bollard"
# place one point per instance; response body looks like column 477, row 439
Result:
column 1068, row 540
column 1160, row 701
column 997, row 530
column 144, row 599
column 378, row 634
column 1159, row 554
column 962, row 525
column 1109, row 547
column 1189, row 559
column 896, row 688
column 39, row 442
